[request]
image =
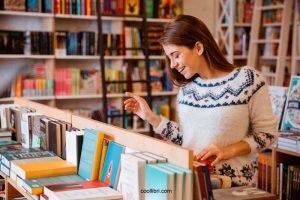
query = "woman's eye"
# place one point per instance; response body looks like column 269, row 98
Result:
column 176, row 56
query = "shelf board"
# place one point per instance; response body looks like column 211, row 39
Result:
column 239, row 57
column 90, row 96
column 165, row 93
column 272, row 24
column 287, row 152
column 271, row 7
column 124, row 57
column 78, row 57
column 158, row 20
column 269, row 74
column 21, row 56
column 6, row 99
column 26, row 14
column 120, row 18
column 136, row 19
column 12, row 56
column 39, row 56
column 157, row 57
column 273, row 57
column 40, row 98
column 242, row 24
column 84, row 17
column 264, row 41
column 140, row 130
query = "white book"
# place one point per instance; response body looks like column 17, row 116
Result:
column 102, row 193
column 159, row 159
column 148, row 159
column 72, row 146
column 133, row 180
column 26, row 129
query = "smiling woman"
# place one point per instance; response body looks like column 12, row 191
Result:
column 224, row 112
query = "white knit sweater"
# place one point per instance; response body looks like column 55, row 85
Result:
column 224, row 111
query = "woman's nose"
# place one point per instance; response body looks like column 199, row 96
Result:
column 173, row 64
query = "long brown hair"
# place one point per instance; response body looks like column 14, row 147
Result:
column 186, row 30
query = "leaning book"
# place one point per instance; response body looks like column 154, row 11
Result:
column 291, row 117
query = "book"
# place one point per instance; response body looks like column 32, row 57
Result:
column 242, row 193
column 291, row 117
column 9, row 156
column 132, row 7
column 90, row 155
column 100, row 193
column 74, row 140
column 158, row 180
column 36, row 186
column 202, row 180
column 111, row 168
column 103, row 155
column 278, row 97
column 187, row 181
column 46, row 169
column 133, row 177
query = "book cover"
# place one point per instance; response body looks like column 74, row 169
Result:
column 132, row 7
column 90, row 155
column 46, row 169
column 8, row 156
column 133, row 177
column 291, row 117
column 103, row 193
column 103, row 155
column 278, row 97
column 74, row 140
column 187, row 179
column 111, row 168
column 54, row 137
column 36, row 186
column 159, row 179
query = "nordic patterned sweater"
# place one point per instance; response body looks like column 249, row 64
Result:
column 224, row 111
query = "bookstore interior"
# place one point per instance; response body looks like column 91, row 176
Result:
column 67, row 65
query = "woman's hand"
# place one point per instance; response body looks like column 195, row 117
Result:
column 213, row 153
column 139, row 106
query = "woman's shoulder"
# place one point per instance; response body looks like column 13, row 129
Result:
column 250, row 76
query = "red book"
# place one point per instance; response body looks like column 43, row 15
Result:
column 50, row 190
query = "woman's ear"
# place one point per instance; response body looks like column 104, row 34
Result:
column 199, row 48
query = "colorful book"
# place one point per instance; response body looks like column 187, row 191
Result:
column 159, row 179
column 291, row 117
column 9, row 156
column 132, row 7
column 187, row 180
column 36, row 186
column 111, row 168
column 46, row 169
column 103, row 155
column 90, row 155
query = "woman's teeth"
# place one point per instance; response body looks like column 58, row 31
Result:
column 181, row 69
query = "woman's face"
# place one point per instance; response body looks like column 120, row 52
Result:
column 186, row 61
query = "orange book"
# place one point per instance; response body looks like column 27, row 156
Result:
column 19, row 86
column 88, row 7
column 46, row 169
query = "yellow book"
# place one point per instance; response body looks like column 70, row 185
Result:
column 46, row 169
column 103, row 154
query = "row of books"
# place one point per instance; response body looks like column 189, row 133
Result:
column 244, row 11
column 97, row 159
column 41, row 6
column 264, row 171
column 75, row 7
column 74, row 81
column 241, row 41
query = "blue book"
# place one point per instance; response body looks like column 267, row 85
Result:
column 32, row 6
column 159, row 183
column 290, row 121
column 187, row 179
column 47, row 6
column 90, row 154
column 111, row 168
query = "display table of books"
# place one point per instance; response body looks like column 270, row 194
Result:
column 53, row 154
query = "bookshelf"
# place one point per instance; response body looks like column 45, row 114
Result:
column 175, row 154
column 58, row 21
column 296, row 38
column 269, row 39
column 233, row 29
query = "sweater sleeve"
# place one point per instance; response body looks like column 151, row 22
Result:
column 263, row 126
column 169, row 130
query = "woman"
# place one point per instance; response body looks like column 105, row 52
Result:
column 224, row 112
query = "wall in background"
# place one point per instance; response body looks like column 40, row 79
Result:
column 204, row 10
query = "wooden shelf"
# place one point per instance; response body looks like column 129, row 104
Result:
column 91, row 96
column 158, row 20
column 292, row 153
column 21, row 56
column 240, row 57
column 160, row 57
column 77, row 57
column 13, row 190
column 84, row 17
column 264, row 41
column 273, row 57
column 26, row 14
column 271, row 7
column 242, row 24
column 124, row 57
column 272, row 24
column 36, row 98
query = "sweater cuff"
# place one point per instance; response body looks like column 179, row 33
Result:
column 253, row 145
column 161, row 126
